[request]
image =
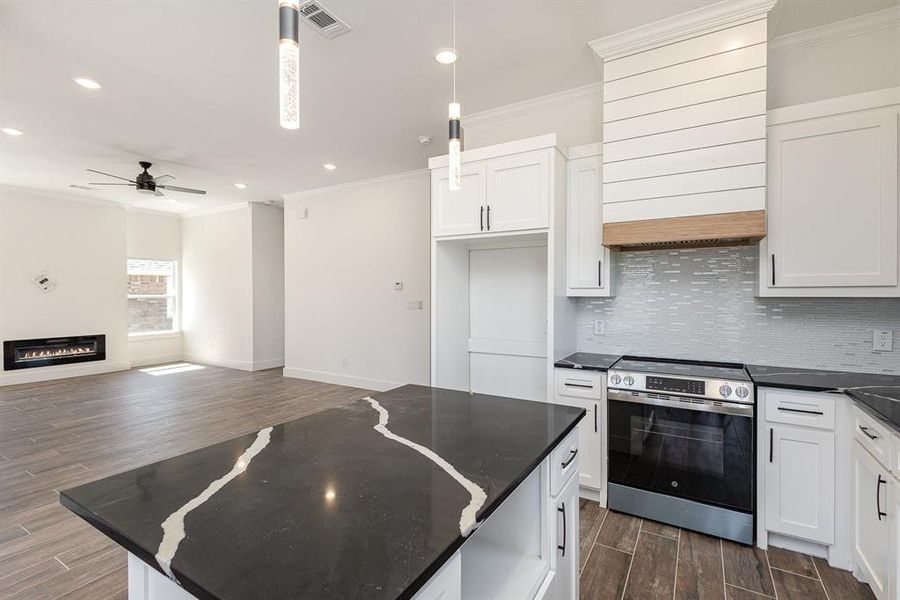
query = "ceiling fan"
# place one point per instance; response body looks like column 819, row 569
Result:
column 147, row 183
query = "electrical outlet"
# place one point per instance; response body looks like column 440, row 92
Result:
column 599, row 328
column 884, row 341
column 302, row 213
column 398, row 285
column 343, row 361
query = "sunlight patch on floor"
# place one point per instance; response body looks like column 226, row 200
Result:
column 171, row 369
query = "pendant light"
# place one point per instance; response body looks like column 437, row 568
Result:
column 453, row 112
column 289, row 63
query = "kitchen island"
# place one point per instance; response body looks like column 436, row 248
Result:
column 415, row 492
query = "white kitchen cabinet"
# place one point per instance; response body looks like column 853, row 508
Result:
column 566, row 520
column 518, row 192
column 589, row 268
column 458, row 212
column 832, row 199
column 799, row 482
column 587, row 390
column 873, row 522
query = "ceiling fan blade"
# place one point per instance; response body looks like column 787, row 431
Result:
column 175, row 188
column 163, row 176
column 128, row 184
column 110, row 175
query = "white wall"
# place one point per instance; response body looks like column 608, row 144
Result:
column 344, row 322
column 216, row 286
column 267, row 231
column 81, row 244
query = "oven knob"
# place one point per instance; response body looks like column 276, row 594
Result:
column 742, row 392
column 629, row 380
column 615, row 379
column 725, row 390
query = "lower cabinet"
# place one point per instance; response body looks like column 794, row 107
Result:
column 565, row 582
column 587, row 390
column 874, row 524
column 799, row 473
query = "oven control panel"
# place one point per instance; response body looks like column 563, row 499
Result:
column 698, row 387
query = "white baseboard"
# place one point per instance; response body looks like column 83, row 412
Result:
column 378, row 385
column 271, row 363
column 242, row 365
column 158, row 359
column 62, row 372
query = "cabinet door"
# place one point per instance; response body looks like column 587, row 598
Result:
column 518, row 191
column 565, row 582
column 872, row 527
column 458, row 212
column 832, row 201
column 800, row 483
column 588, row 259
column 590, row 438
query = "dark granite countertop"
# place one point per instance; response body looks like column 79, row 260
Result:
column 876, row 393
column 365, row 500
column 588, row 361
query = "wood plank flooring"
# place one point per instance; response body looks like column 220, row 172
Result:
column 624, row 557
column 62, row 433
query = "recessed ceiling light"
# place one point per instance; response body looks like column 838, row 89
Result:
column 329, row 166
column 241, row 186
column 11, row 131
column 446, row 56
column 87, row 83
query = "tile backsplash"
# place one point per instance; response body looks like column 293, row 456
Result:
column 700, row 304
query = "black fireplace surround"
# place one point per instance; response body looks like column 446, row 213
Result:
column 42, row 352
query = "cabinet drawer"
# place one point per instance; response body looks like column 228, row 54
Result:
column 874, row 437
column 800, row 408
column 564, row 462
column 580, row 384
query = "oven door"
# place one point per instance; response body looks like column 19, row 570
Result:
column 692, row 449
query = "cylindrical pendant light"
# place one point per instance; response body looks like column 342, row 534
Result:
column 454, row 112
column 289, row 63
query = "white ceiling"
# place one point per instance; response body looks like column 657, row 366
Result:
column 191, row 85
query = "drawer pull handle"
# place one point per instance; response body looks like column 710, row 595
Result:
column 800, row 410
column 580, row 385
column 562, row 509
column 771, row 443
column 595, row 417
column 878, row 497
column 865, row 430
column 569, row 460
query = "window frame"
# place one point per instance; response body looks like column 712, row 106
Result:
column 176, row 296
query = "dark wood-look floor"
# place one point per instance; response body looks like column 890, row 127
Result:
column 59, row 434
column 624, row 557
column 62, row 433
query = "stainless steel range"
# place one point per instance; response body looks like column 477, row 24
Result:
column 681, row 447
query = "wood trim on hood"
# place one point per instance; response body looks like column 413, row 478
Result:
column 699, row 230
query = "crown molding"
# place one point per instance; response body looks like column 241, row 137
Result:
column 59, row 195
column 153, row 212
column 356, row 183
column 590, row 92
column 680, row 27
column 838, row 30
column 215, row 210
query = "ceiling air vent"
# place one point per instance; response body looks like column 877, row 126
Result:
column 322, row 20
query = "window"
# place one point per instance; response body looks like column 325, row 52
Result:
column 152, row 296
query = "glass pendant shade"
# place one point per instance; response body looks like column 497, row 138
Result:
column 455, row 146
column 289, row 64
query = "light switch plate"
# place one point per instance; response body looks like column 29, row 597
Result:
column 884, row 341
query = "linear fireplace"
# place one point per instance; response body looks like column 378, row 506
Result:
column 42, row 352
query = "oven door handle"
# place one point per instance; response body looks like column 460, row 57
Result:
column 725, row 408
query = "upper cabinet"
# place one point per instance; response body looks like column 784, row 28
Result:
column 833, row 218
column 589, row 267
column 505, row 188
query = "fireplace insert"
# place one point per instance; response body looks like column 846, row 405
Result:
column 42, row 352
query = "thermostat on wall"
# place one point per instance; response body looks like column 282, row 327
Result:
column 43, row 282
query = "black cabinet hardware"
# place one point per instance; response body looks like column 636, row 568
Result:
column 489, row 217
column 771, row 443
column 562, row 509
column 481, row 219
column 878, row 497
column 599, row 273
column 773, row 269
column 569, row 460
column 595, row 417
column 865, row 430
column 800, row 410
column 579, row 385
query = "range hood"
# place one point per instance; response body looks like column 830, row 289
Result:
column 684, row 129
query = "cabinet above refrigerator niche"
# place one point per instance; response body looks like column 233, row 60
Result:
column 589, row 264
